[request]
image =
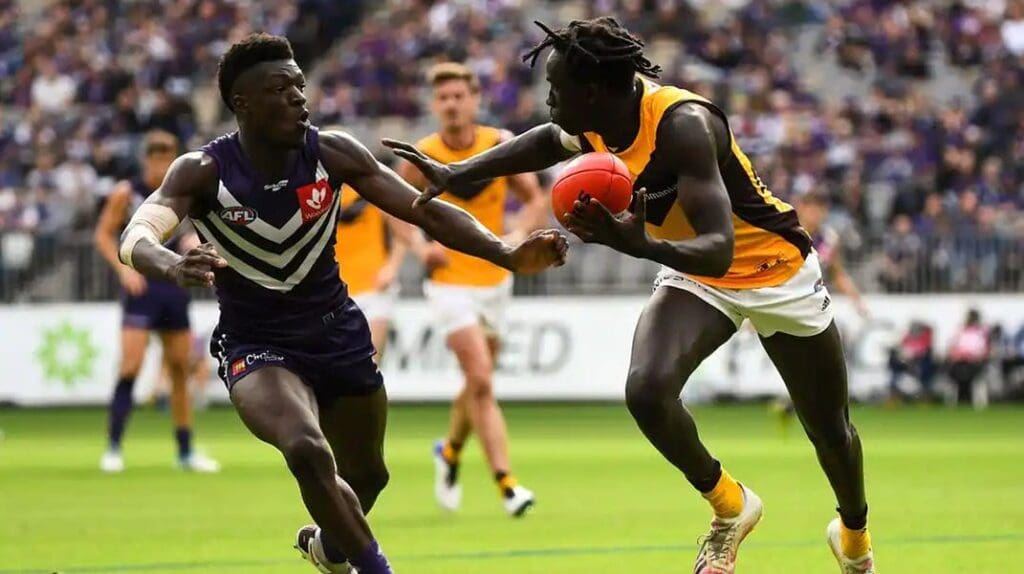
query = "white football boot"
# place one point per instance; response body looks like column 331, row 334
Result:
column 860, row 565
column 112, row 462
column 717, row 554
column 447, row 490
column 198, row 462
column 518, row 500
column 307, row 542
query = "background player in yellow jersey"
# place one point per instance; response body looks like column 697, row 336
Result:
column 469, row 295
column 369, row 258
column 731, row 251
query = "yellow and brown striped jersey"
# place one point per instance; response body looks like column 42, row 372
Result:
column 770, row 246
column 485, row 200
column 361, row 248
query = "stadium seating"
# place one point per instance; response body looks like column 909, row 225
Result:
column 907, row 116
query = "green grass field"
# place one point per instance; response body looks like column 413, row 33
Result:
column 945, row 489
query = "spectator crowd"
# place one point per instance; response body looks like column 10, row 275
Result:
column 926, row 193
column 979, row 360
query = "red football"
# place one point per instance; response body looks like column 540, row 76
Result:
column 601, row 175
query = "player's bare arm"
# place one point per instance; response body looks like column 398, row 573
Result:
column 190, row 177
column 534, row 212
column 453, row 227
column 692, row 137
column 399, row 249
column 430, row 254
column 844, row 283
column 534, row 150
column 115, row 211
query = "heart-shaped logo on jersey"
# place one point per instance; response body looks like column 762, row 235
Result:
column 315, row 199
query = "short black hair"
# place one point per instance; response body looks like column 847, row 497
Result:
column 599, row 50
column 254, row 49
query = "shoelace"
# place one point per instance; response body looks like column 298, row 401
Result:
column 859, row 568
column 718, row 543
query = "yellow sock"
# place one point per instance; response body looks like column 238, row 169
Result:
column 726, row 497
column 854, row 543
column 450, row 454
column 506, row 482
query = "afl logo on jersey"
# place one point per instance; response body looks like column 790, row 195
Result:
column 315, row 199
column 238, row 215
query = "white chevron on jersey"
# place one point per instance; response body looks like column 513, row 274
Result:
column 261, row 227
column 236, row 243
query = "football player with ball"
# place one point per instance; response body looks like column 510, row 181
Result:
column 730, row 251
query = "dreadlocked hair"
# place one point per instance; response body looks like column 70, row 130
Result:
column 599, row 50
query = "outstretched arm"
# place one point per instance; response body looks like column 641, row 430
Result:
column 455, row 228
column 190, row 176
column 537, row 149
column 689, row 136
column 534, row 212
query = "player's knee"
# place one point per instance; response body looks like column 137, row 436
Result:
column 308, row 455
column 130, row 367
column 371, row 480
column 479, row 385
column 178, row 371
column 649, row 386
column 832, row 435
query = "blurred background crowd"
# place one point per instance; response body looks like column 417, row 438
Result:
column 908, row 115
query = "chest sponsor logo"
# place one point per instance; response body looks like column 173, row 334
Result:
column 238, row 215
column 278, row 186
column 315, row 199
column 659, row 202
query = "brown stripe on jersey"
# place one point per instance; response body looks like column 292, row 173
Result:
column 751, row 200
column 753, row 207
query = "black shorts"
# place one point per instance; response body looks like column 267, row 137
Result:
column 334, row 360
column 162, row 306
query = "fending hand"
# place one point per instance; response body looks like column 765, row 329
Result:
column 195, row 268
column 541, row 249
column 438, row 174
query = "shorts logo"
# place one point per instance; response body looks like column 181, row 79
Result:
column 315, row 199
column 769, row 264
column 238, row 367
column 265, row 357
column 826, row 302
column 238, row 215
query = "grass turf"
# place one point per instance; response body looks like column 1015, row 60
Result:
column 944, row 488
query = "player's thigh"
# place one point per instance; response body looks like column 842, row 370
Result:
column 493, row 345
column 676, row 331
column 134, row 341
column 814, row 370
column 355, row 427
column 276, row 406
column 471, row 349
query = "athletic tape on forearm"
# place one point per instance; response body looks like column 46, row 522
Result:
column 570, row 142
column 156, row 222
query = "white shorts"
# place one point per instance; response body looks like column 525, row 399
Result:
column 377, row 305
column 457, row 307
column 801, row 306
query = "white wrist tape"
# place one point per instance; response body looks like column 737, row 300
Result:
column 570, row 142
column 151, row 221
